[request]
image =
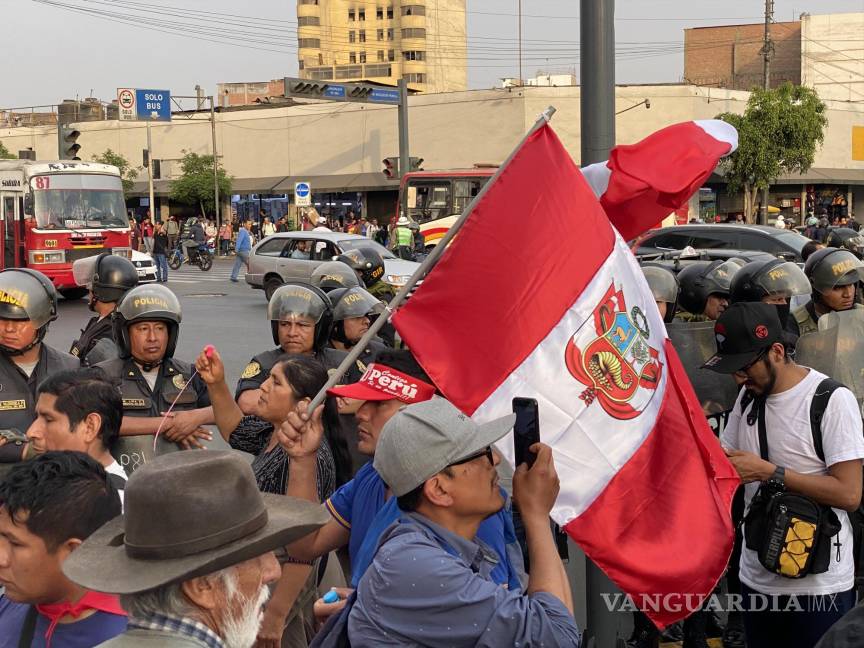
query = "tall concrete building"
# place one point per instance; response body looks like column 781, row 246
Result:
column 382, row 40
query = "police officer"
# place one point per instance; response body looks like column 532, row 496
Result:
column 146, row 326
column 369, row 266
column 403, row 239
column 301, row 317
column 774, row 281
column 704, row 290
column 107, row 277
column 846, row 238
column 28, row 304
column 331, row 275
column 664, row 287
column 354, row 309
column 834, row 275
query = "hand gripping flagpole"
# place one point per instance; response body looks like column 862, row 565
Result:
column 425, row 267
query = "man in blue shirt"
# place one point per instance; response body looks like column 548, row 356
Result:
column 242, row 248
column 363, row 507
column 429, row 583
column 48, row 506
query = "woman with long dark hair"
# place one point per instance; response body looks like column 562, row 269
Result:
column 294, row 378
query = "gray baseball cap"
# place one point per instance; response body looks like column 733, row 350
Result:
column 424, row 438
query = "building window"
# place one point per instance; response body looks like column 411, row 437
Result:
column 348, row 71
column 362, row 57
column 391, row 55
column 389, row 13
column 380, row 56
column 361, row 35
column 414, row 55
column 352, row 57
column 351, row 15
column 414, row 32
column 308, row 21
column 310, row 43
column 361, row 14
column 352, row 36
column 300, row 64
column 378, row 70
column 413, row 10
column 415, row 77
column 379, row 13
column 380, row 34
column 320, row 73
column 308, row 2
column 390, row 34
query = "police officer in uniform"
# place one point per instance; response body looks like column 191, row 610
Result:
column 108, row 277
column 146, row 326
column 354, row 310
column 774, row 281
column 331, row 275
column 403, row 239
column 301, row 317
column 705, row 290
column 28, row 304
column 834, row 275
column 664, row 286
column 369, row 266
column 846, row 238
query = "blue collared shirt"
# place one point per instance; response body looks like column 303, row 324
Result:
column 243, row 243
column 428, row 586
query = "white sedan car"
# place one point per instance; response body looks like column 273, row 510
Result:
column 145, row 265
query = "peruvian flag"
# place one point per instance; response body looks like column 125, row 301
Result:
column 538, row 296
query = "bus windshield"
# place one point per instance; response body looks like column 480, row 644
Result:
column 428, row 201
column 71, row 201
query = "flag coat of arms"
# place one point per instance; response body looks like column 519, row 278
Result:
column 539, row 296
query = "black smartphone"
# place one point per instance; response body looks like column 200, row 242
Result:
column 526, row 432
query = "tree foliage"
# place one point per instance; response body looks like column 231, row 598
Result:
column 127, row 172
column 6, row 154
column 779, row 133
column 195, row 185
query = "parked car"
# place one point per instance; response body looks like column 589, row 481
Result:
column 145, row 265
column 293, row 256
column 780, row 243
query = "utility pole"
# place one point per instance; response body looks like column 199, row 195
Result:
column 767, row 53
column 597, row 82
column 150, row 174
column 404, row 154
column 215, row 163
column 521, row 80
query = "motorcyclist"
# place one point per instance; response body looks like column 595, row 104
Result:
column 107, row 277
column 774, row 281
column 152, row 381
column 28, row 304
column 834, row 275
column 192, row 237
column 664, row 287
column 704, row 290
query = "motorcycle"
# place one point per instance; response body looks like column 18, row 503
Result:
column 202, row 257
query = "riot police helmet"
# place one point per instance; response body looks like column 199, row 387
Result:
column 349, row 303
column 296, row 300
column 831, row 267
column 147, row 303
column 331, row 275
column 664, row 287
column 846, row 238
column 107, row 276
column 27, row 294
column 366, row 262
column 771, row 281
column 702, row 279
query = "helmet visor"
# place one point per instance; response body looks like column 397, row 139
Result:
column 840, row 268
column 83, row 271
column 719, row 278
column 293, row 301
column 334, row 274
column 150, row 303
column 785, row 280
column 356, row 302
column 662, row 283
column 22, row 297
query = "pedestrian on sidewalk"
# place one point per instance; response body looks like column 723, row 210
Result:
column 147, row 233
column 160, row 252
column 242, row 249
column 224, row 238
column 172, row 229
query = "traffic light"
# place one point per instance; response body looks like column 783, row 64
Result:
column 67, row 142
column 145, row 158
column 416, row 164
column 305, row 88
column 157, row 169
column 360, row 92
column 391, row 167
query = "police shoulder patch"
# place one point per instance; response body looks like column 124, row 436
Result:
column 252, row 369
column 179, row 381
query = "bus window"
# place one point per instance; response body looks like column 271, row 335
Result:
column 465, row 191
column 429, row 201
column 79, row 202
column 8, row 208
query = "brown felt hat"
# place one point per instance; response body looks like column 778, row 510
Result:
column 188, row 514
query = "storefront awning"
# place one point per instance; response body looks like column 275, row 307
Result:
column 285, row 184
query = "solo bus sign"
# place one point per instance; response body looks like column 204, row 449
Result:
column 136, row 104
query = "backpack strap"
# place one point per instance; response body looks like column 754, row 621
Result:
column 117, row 481
column 28, row 628
column 759, row 405
column 817, row 411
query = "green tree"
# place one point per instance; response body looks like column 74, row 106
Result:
column 779, row 132
column 127, row 172
column 6, row 154
column 195, row 185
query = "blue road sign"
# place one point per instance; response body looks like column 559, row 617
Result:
column 335, row 92
column 153, row 105
column 301, row 189
column 380, row 95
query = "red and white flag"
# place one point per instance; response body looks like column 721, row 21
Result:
column 538, row 296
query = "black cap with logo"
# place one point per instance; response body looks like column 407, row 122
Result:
column 743, row 332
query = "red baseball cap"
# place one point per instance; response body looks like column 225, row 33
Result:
column 381, row 383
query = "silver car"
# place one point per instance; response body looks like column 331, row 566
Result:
column 293, row 256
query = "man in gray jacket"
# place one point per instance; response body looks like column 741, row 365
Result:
column 192, row 558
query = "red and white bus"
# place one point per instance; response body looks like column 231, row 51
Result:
column 435, row 199
column 54, row 213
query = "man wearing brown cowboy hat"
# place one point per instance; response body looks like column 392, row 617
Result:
column 193, row 555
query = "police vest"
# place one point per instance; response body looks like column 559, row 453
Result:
column 404, row 237
column 97, row 329
column 259, row 367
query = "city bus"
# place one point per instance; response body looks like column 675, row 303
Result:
column 435, row 199
column 53, row 213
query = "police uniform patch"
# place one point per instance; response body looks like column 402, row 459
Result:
column 134, row 402
column 251, row 370
column 179, row 381
column 361, row 367
column 12, row 405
